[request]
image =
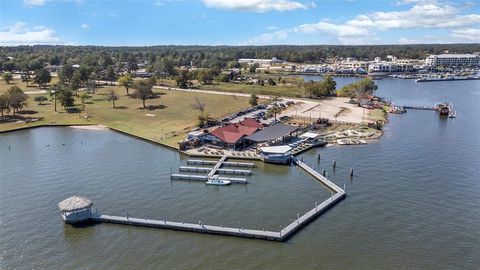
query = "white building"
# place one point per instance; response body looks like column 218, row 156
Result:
column 316, row 69
column 274, row 60
column 451, row 60
column 353, row 64
column 385, row 67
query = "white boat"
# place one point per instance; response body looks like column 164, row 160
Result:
column 217, row 182
column 452, row 114
column 350, row 142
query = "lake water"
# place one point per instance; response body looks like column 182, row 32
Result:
column 412, row 204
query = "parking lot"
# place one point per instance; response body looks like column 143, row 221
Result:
column 258, row 113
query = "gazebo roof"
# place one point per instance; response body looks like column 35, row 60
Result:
column 74, row 203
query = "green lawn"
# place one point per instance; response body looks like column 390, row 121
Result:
column 377, row 114
column 281, row 90
column 169, row 120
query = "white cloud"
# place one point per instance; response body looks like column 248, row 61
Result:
column 21, row 34
column 85, row 26
column 332, row 29
column 268, row 38
column 404, row 40
column 421, row 15
column 472, row 34
column 364, row 28
column 34, row 2
column 257, row 5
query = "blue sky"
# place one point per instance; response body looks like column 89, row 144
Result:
column 238, row 22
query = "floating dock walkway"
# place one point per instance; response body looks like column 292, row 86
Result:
column 282, row 235
column 216, row 169
column 203, row 178
column 190, row 227
column 225, row 164
column 217, row 166
column 219, row 171
column 416, row 107
column 318, row 176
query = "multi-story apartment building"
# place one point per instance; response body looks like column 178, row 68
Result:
column 453, row 60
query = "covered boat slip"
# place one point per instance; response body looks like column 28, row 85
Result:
column 276, row 154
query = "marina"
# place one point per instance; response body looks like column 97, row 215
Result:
column 77, row 210
column 212, row 172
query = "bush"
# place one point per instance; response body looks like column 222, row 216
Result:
column 40, row 99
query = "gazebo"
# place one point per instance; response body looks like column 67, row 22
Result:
column 76, row 209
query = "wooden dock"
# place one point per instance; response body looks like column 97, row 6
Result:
column 318, row 176
column 225, row 164
column 217, row 166
column 282, row 235
column 430, row 108
column 285, row 233
column 311, row 215
column 190, row 227
column 219, row 171
column 203, row 178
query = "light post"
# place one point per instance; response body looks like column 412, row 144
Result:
column 54, row 98
column 363, row 116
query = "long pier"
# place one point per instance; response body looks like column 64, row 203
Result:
column 318, row 176
column 282, row 235
column 190, row 227
column 430, row 108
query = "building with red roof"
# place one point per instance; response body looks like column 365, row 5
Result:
column 231, row 135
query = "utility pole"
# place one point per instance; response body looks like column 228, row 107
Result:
column 54, row 98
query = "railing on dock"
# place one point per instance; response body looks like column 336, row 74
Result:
column 282, row 235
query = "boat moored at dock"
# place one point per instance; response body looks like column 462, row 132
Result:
column 217, row 182
column 437, row 78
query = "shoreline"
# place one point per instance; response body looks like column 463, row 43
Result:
column 101, row 127
column 91, row 127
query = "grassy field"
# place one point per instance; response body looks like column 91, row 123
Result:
column 169, row 118
column 31, row 87
column 282, row 90
column 377, row 115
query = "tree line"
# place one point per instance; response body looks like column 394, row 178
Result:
column 166, row 57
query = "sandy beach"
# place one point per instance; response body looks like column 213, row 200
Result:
column 91, row 127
